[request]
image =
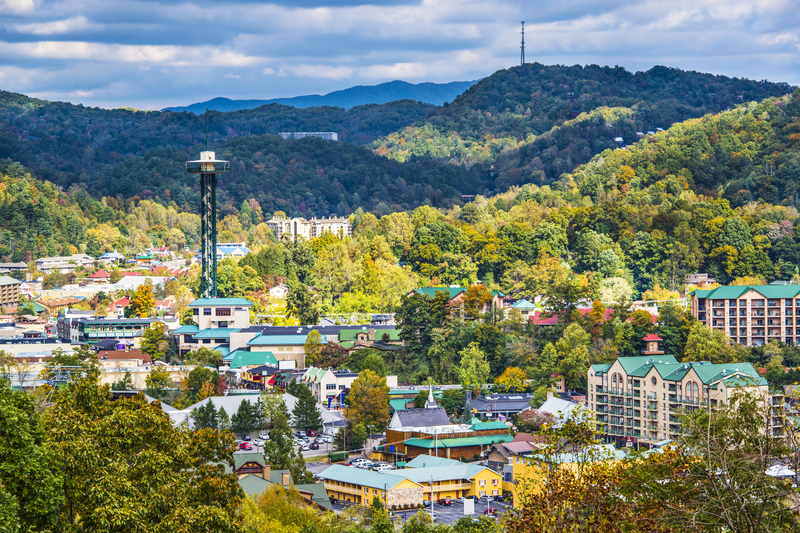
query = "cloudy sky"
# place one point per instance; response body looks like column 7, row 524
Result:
column 151, row 54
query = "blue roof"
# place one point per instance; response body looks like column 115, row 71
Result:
column 216, row 333
column 209, row 302
column 187, row 330
column 523, row 304
column 280, row 340
column 241, row 358
column 113, row 255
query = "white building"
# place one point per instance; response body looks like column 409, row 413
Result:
column 309, row 229
column 63, row 263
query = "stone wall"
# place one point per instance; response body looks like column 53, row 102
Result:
column 400, row 497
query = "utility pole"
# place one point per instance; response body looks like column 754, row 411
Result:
column 522, row 52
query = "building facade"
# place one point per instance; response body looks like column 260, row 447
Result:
column 9, row 291
column 639, row 399
column 309, row 228
column 751, row 315
column 89, row 330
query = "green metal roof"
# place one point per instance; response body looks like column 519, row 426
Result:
column 280, row 340
column 768, row 291
column 39, row 308
column 425, row 461
column 216, row 333
column 639, row 366
column 365, row 478
column 601, row 368
column 242, row 359
column 398, row 405
column 253, row 485
column 241, row 458
column 187, row 330
column 276, row 476
column 224, row 350
column 459, row 442
column 441, row 473
column 483, row 426
column 8, row 280
column 318, row 494
column 347, row 344
column 209, row 302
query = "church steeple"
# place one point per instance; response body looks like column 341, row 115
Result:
column 431, row 403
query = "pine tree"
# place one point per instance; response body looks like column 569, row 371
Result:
column 223, row 420
column 205, row 416
column 306, row 412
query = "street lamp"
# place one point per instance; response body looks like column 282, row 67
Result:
column 433, row 517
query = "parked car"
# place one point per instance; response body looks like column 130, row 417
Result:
column 305, row 447
column 246, row 438
column 264, row 436
column 312, row 433
column 485, row 499
column 327, row 438
column 313, row 446
column 258, row 442
column 426, row 503
column 301, row 434
column 490, row 512
column 444, row 501
column 246, row 446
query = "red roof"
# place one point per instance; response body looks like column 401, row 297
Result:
column 652, row 337
column 122, row 355
column 100, row 274
column 135, row 273
column 121, row 303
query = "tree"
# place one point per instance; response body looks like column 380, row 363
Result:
column 157, row 382
column 573, row 355
column 223, row 420
column 453, row 401
column 155, row 341
column 31, row 482
column 313, row 347
column 374, row 362
column 301, row 303
column 513, row 379
column 126, row 467
column 197, row 378
column 270, row 406
column 126, row 383
column 706, row 344
column 420, row 399
column 476, row 299
column 142, row 302
column 306, row 411
column 332, row 355
column 247, row 418
column 368, row 401
column 281, row 453
column 205, row 416
column 474, row 369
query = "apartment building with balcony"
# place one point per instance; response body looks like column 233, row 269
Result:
column 641, row 398
column 751, row 315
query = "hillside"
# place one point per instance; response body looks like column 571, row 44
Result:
column 429, row 93
column 533, row 129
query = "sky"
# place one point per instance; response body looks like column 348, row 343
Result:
column 153, row 54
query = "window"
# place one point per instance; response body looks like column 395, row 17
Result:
column 206, row 341
column 196, row 311
column 654, row 381
column 483, row 493
column 330, row 386
column 206, row 311
column 223, row 311
column 366, row 490
column 494, row 493
column 341, row 387
column 483, row 483
column 494, row 482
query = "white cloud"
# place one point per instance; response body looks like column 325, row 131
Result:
column 16, row 7
column 56, row 27
column 234, row 76
column 268, row 71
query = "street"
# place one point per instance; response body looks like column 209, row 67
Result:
column 441, row 514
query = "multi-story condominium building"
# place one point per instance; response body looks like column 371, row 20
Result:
column 9, row 291
column 90, row 329
column 309, row 229
column 751, row 315
column 639, row 399
column 64, row 264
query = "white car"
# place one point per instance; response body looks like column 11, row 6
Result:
column 327, row 438
column 263, row 436
column 305, row 447
column 258, row 442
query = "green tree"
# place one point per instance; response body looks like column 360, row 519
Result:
column 453, row 401
column 281, row 453
column 420, row 399
column 474, row 369
column 197, row 378
column 706, row 344
column 368, row 401
column 205, row 416
column 301, row 304
column 374, row 362
column 573, row 355
column 155, row 341
column 157, row 382
column 31, row 483
column 126, row 383
column 223, row 420
column 142, row 302
column 247, row 418
column 313, row 347
column 306, row 411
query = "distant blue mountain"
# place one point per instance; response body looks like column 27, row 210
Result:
column 431, row 93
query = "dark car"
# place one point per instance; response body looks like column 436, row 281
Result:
column 444, row 501
column 426, row 503
column 246, row 438
column 314, row 446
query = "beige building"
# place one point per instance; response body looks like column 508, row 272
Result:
column 309, row 229
column 640, row 398
column 751, row 315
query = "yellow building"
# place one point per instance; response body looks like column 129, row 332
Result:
column 529, row 470
column 412, row 485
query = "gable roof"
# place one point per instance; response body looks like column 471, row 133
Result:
column 419, row 418
column 484, row 426
column 429, row 444
column 523, row 304
column 253, row 485
column 242, row 358
column 424, row 460
column 200, row 302
column 735, row 291
column 239, row 459
column 365, row 478
column 216, row 333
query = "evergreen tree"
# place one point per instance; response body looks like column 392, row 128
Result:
column 223, row 420
column 247, row 418
column 306, row 411
column 126, row 383
column 205, row 416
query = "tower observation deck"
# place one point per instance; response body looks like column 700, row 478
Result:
column 208, row 167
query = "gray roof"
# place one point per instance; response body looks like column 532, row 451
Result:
column 419, row 418
column 502, row 402
column 422, row 461
column 229, row 403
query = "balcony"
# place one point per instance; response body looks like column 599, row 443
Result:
column 598, row 388
column 614, row 401
column 602, row 409
column 691, row 401
column 651, row 396
column 650, row 417
column 652, row 406
column 602, row 399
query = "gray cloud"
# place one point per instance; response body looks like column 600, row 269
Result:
column 152, row 54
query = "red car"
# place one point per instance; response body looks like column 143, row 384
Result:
column 444, row 501
column 312, row 433
column 490, row 511
column 246, row 446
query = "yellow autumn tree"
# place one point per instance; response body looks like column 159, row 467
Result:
column 513, row 379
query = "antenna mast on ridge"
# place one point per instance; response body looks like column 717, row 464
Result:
column 522, row 52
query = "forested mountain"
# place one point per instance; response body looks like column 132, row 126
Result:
column 532, row 129
column 429, row 93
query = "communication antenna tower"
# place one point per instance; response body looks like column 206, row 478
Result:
column 522, row 52
column 208, row 167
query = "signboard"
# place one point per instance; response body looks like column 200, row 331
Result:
column 469, row 506
column 629, row 443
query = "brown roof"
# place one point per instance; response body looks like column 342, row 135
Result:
column 524, row 436
column 59, row 302
column 122, row 354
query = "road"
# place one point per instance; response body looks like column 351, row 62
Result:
column 442, row 514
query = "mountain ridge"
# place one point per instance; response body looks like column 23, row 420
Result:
column 427, row 92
